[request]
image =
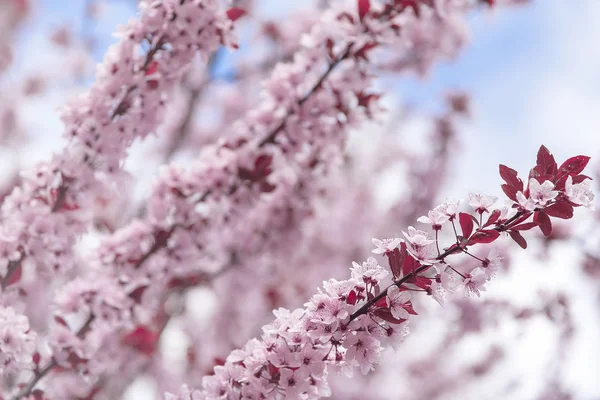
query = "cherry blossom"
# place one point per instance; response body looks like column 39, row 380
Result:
column 481, row 203
column 579, row 193
column 473, row 283
column 351, row 330
column 396, row 301
column 17, row 342
column 449, row 208
column 492, row 263
column 417, row 238
column 434, row 218
column 260, row 195
column 539, row 194
column 385, row 245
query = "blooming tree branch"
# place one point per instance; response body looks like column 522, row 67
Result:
column 346, row 324
column 131, row 85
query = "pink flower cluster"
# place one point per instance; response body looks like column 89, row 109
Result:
column 244, row 202
column 42, row 217
column 295, row 133
column 347, row 323
column 17, row 342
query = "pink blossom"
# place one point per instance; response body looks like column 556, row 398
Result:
column 579, row 193
column 434, row 218
column 449, row 208
column 539, row 195
column 417, row 238
column 492, row 263
column 473, row 283
column 17, row 342
column 369, row 270
column 396, row 301
column 481, row 203
column 385, row 245
column 438, row 292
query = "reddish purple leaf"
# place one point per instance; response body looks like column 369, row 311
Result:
column 352, row 297
column 409, row 265
column 483, row 236
column 142, row 339
column 235, row 13
column 420, row 281
column 466, row 224
column 543, row 220
column 409, row 308
column 263, row 165
column 16, row 274
column 364, row 99
column 386, row 315
column 510, row 176
column 363, row 8
column 136, row 294
column 382, row 302
column 574, row 165
column 494, row 216
column 60, row 320
column 517, row 237
column 580, row 178
column 38, row 394
column 395, row 260
column 510, row 191
column 545, row 161
column 525, row 227
column 520, row 219
column 560, row 210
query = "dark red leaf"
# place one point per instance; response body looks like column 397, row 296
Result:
column 262, row 165
column 520, row 219
column 386, row 315
column 466, row 224
column 395, row 260
column 510, row 176
column 352, row 297
column 363, row 8
column 409, row 265
column 142, row 339
column 382, row 302
column 61, row 321
column 362, row 53
column 543, row 220
column 38, row 394
column 494, row 216
column 16, row 274
column 580, row 178
column 545, row 161
column 560, row 210
column 235, row 12
column 574, row 165
column 483, row 236
column 151, row 68
column 421, row 281
column 329, row 45
column 409, row 308
column 510, row 191
column 136, row 294
column 517, row 237
column 525, row 227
